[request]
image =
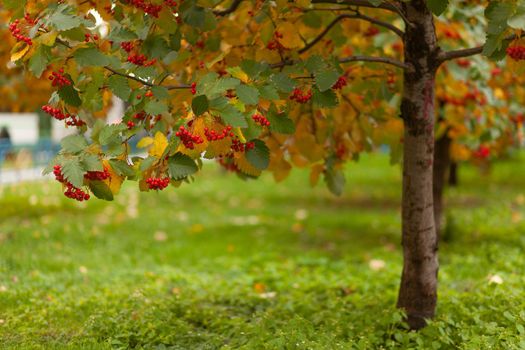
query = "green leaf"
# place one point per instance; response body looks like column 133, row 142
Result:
column 281, row 124
column 268, row 92
column 101, row 190
column 181, row 166
column 39, row 61
column 146, row 163
column 326, row 79
column 110, row 134
column 90, row 56
column 517, row 21
column 259, row 156
column 282, row 82
column 199, row 104
column 62, row 21
column 73, row 143
column 119, row 86
column 73, row 172
column 253, row 68
column 121, row 167
column 69, row 95
column 335, row 180
column 437, row 6
column 91, row 162
column 232, row 116
column 247, row 94
column 326, row 98
column 155, row 107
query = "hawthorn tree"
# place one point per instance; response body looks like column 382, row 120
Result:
column 260, row 85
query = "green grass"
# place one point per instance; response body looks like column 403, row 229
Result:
column 227, row 264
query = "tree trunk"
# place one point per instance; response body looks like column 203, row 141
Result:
column 453, row 174
column 418, row 290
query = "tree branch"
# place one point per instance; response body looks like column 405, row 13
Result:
column 143, row 82
column 454, row 54
column 347, row 16
column 385, row 60
column 365, row 3
column 234, row 5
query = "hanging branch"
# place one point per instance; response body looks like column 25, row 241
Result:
column 357, row 15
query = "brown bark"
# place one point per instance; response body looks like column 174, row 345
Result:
column 418, row 290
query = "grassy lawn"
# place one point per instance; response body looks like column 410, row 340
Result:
column 227, row 264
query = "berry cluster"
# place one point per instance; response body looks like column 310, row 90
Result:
column 212, row 135
column 193, row 88
column 340, row 83
column 130, row 124
column 260, row 119
column 171, row 3
column 158, row 183
column 76, row 193
column 98, row 175
column 188, row 139
column 517, row 53
column 127, row 46
column 275, row 44
column 140, row 115
column 149, row 93
column 57, row 171
column 58, row 78
column 87, row 37
column 71, row 191
column 141, row 60
column 148, row 8
column 15, row 31
column 59, row 115
column 301, row 97
column 483, row 152
column 238, row 146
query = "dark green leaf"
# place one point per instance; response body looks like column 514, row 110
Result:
column 437, row 6
column 199, row 104
column 101, row 190
column 181, row 166
column 326, row 79
column 335, row 180
column 282, row 82
column 39, row 61
column 69, row 95
column 259, row 156
column 121, row 167
column 155, row 107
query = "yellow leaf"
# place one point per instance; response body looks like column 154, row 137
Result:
column 245, row 166
column 145, row 142
column 159, row 145
column 291, row 38
column 239, row 134
column 315, row 173
column 48, row 39
column 238, row 73
column 114, row 181
column 19, row 51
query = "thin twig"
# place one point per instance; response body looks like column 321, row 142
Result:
column 389, row 26
column 454, row 54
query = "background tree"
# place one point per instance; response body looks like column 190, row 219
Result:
column 256, row 86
